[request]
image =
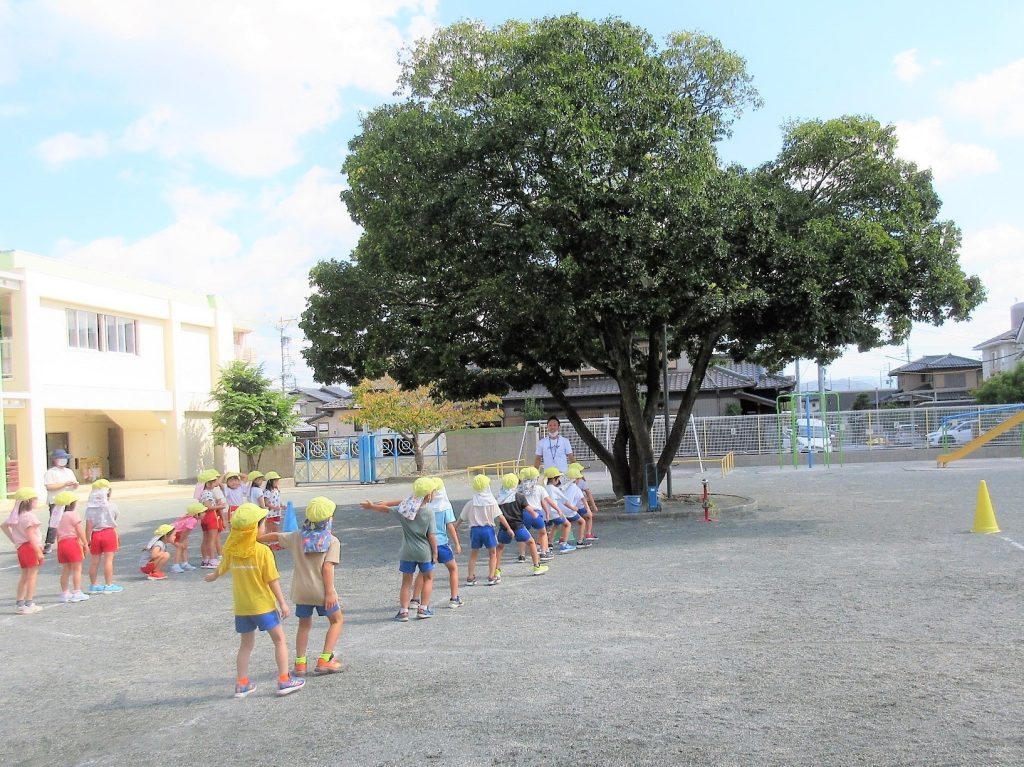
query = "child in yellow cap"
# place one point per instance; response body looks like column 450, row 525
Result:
column 101, row 529
column 155, row 554
column 481, row 512
column 211, row 521
column 256, row 587
column 71, row 545
column 447, row 535
column 315, row 551
column 183, row 527
column 22, row 527
column 419, row 545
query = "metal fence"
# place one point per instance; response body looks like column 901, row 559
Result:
column 348, row 459
column 854, row 430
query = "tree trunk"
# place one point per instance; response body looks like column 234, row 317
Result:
column 417, row 451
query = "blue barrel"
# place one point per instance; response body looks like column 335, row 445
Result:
column 632, row 504
column 652, row 498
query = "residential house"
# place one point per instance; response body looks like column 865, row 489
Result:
column 749, row 387
column 116, row 371
column 937, row 379
column 1006, row 350
column 308, row 404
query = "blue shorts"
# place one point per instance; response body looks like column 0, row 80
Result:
column 557, row 521
column 306, row 611
column 482, row 537
column 407, row 567
column 533, row 521
column 522, row 536
column 246, row 623
column 444, row 554
column 575, row 518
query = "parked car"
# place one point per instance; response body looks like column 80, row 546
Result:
column 810, row 436
column 959, row 433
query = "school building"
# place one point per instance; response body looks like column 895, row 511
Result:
column 116, row 371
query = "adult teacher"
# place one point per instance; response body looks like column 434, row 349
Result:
column 57, row 478
column 554, row 449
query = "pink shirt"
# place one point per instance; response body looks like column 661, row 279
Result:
column 26, row 530
column 68, row 525
column 186, row 523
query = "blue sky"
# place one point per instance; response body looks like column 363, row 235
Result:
column 198, row 144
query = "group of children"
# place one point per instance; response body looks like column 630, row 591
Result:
column 220, row 497
column 73, row 537
column 535, row 516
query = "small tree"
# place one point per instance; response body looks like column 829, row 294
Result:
column 251, row 415
column 1003, row 388
column 533, row 410
column 410, row 413
column 863, row 402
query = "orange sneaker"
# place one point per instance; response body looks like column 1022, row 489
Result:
column 331, row 666
column 300, row 667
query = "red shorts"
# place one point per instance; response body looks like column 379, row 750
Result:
column 103, row 541
column 211, row 521
column 148, row 569
column 231, row 512
column 27, row 556
column 69, row 551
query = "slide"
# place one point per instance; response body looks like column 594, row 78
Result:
column 1015, row 420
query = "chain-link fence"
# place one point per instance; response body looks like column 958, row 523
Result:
column 853, row 430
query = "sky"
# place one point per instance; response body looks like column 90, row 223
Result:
column 199, row 144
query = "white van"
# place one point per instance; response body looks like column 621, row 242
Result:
column 811, row 435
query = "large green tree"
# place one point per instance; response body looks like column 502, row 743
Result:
column 547, row 196
column 1006, row 388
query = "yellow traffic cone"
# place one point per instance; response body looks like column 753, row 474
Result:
column 984, row 515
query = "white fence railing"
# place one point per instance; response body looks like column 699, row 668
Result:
column 852, row 430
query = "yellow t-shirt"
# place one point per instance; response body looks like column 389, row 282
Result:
column 250, row 579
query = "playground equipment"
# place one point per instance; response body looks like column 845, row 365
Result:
column 1017, row 419
column 808, row 430
column 984, row 514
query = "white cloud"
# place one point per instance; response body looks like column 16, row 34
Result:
column 236, row 84
column 65, row 147
column 995, row 98
column 926, row 143
column 907, row 67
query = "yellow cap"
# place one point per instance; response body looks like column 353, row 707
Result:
column 576, row 466
column 247, row 516
column 551, row 472
column 207, row 474
column 25, row 493
column 575, row 474
column 161, row 531
column 509, row 481
column 320, row 509
column 271, row 475
column 194, row 508
column 422, row 487
column 101, row 484
column 65, row 498
column 438, row 484
column 481, row 482
column 254, row 475
column 231, row 474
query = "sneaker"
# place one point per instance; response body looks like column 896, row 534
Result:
column 540, row 569
column 208, row 565
column 156, row 575
column 521, row 559
column 97, row 588
column 493, row 581
column 332, row 666
column 20, row 610
column 565, row 548
column 414, row 604
column 592, row 537
column 424, row 612
column 241, row 690
column 583, row 544
column 31, row 609
column 47, row 548
column 113, row 588
column 187, row 567
column 455, row 602
column 497, row 573
column 292, row 685
column 546, row 556
column 65, row 597
column 402, row 616
column 176, row 568
column 78, row 596
column 300, row 667
column 471, row 581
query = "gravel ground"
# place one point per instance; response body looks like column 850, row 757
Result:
column 852, row 619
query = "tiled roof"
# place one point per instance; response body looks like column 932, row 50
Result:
column 717, row 377
column 323, row 394
column 937, row 362
column 1009, row 335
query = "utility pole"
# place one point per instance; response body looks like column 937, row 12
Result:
column 664, row 379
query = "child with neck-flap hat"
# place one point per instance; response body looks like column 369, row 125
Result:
column 256, row 588
column 419, row 545
column 533, row 514
column 480, row 512
column 183, row 527
column 316, row 552
column 447, row 536
column 71, row 545
column 22, row 527
column 588, row 498
column 513, row 503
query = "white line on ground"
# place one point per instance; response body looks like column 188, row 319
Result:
column 1012, row 542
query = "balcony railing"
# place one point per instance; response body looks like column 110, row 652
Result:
column 7, row 357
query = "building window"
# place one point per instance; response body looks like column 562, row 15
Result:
column 101, row 332
column 955, row 380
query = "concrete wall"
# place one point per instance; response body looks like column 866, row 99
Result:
column 280, row 458
column 470, row 447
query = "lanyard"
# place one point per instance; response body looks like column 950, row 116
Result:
column 553, row 444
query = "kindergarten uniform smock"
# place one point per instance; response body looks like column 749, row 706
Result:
column 249, row 579
column 307, row 575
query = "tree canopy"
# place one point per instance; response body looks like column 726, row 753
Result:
column 1006, row 388
column 250, row 414
column 547, row 196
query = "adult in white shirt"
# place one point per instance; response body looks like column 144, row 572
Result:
column 57, row 478
column 554, row 450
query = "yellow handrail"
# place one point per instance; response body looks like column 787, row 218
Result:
column 498, row 467
column 726, row 462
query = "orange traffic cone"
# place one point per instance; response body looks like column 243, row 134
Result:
column 984, row 515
